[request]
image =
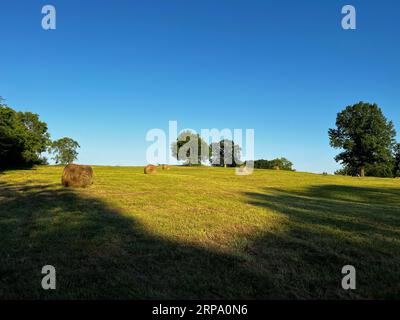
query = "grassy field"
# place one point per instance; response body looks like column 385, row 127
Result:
column 198, row 233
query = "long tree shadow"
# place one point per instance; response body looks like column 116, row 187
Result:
column 99, row 253
column 368, row 195
column 325, row 231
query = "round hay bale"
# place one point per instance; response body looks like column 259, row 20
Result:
column 165, row 167
column 276, row 168
column 150, row 169
column 75, row 175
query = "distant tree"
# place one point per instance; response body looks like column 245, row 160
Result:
column 64, row 150
column 281, row 163
column 365, row 135
column 262, row 164
column 23, row 138
column 225, row 153
column 190, row 148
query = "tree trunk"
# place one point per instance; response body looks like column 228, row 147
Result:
column 362, row 171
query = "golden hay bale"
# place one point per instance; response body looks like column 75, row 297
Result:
column 165, row 167
column 150, row 169
column 75, row 175
column 276, row 168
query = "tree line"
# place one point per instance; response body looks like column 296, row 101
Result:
column 191, row 148
column 364, row 135
column 24, row 138
column 276, row 164
column 366, row 138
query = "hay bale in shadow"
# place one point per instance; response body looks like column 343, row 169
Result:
column 150, row 169
column 165, row 167
column 76, row 175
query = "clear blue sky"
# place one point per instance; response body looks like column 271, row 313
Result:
column 112, row 70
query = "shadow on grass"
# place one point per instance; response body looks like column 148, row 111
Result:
column 100, row 253
column 369, row 195
column 330, row 226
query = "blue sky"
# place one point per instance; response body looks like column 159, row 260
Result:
column 112, row 70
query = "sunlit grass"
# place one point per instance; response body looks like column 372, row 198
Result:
column 198, row 233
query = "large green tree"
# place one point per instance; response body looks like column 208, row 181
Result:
column 365, row 136
column 64, row 150
column 225, row 153
column 396, row 164
column 190, row 148
column 10, row 145
column 23, row 138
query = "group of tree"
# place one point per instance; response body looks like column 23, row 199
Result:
column 191, row 148
column 365, row 136
column 276, row 164
column 367, row 141
column 24, row 139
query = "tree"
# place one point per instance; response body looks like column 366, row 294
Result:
column 64, row 150
column 396, row 164
column 364, row 134
column 35, row 137
column 381, row 169
column 23, row 138
column 225, row 153
column 11, row 147
column 281, row 163
column 191, row 148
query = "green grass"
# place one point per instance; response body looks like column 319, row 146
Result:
column 198, row 233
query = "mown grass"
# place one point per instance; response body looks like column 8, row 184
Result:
column 198, row 233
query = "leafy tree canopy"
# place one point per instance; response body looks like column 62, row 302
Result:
column 225, row 153
column 64, row 150
column 365, row 136
column 23, row 138
column 278, row 163
column 396, row 162
column 190, row 148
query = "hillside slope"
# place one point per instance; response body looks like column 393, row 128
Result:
column 198, row 233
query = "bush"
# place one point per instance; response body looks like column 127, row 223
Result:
column 276, row 164
column 380, row 170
